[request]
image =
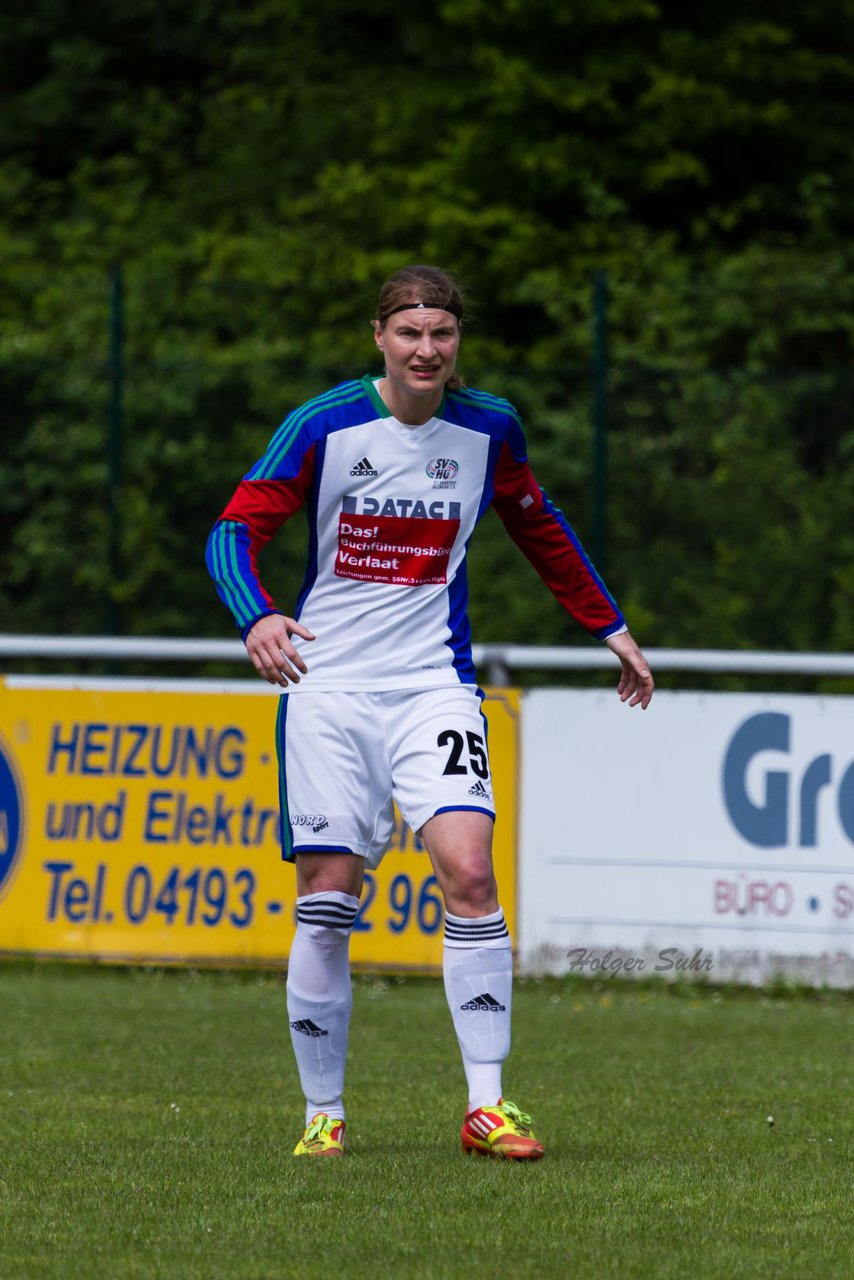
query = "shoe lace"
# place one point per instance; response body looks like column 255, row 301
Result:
column 319, row 1125
column 519, row 1118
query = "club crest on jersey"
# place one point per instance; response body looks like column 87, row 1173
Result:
column 443, row 472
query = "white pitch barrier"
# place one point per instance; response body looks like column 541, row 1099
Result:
column 711, row 836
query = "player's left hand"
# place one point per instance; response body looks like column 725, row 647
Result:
column 636, row 683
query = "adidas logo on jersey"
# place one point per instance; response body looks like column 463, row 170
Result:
column 363, row 468
column 483, row 1004
column 479, row 790
column 306, row 1027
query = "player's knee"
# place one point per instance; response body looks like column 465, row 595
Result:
column 329, row 873
column 473, row 883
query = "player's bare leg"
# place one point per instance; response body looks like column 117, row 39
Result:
column 478, row 968
column 460, row 847
column 319, row 993
column 330, row 872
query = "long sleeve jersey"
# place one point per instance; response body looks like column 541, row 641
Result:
column 391, row 509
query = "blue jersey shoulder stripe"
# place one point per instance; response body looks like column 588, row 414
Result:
column 346, row 393
column 481, row 411
column 499, row 416
column 485, row 400
column 278, row 447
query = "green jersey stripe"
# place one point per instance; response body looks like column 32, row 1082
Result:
column 233, row 584
column 291, row 427
column 483, row 400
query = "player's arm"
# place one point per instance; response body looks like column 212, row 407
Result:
column 269, row 494
column 543, row 534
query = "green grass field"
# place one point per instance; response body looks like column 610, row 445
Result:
column 147, row 1121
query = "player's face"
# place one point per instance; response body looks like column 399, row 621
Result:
column 420, row 349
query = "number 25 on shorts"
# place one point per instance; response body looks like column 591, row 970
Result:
column 476, row 752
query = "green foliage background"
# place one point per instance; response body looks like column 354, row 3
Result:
column 258, row 167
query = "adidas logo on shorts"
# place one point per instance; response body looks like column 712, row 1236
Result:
column 479, row 790
column 363, row 468
column 306, row 1027
column 483, row 1004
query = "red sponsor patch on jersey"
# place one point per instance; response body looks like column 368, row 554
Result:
column 404, row 550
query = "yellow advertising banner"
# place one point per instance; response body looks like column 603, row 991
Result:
column 139, row 823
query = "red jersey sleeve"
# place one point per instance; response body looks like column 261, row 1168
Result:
column 256, row 510
column 542, row 532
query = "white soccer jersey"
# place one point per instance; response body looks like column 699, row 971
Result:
column 391, row 509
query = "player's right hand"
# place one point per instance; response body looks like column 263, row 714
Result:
column 273, row 655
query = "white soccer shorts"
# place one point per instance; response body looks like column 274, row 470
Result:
column 345, row 758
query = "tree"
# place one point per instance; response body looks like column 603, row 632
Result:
column 258, row 168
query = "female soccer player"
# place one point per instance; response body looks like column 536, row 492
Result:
column 382, row 702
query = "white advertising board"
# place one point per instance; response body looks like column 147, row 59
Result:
column 710, row 836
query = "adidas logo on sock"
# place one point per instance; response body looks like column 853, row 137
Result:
column 306, row 1027
column 363, row 468
column 479, row 790
column 485, row 1004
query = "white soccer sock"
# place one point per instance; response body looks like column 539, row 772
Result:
column 478, row 965
column 320, row 997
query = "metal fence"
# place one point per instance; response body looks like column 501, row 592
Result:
column 499, row 660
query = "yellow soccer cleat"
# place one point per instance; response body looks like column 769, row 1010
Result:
column 502, row 1131
column 323, row 1137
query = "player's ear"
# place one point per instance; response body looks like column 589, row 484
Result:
column 378, row 334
